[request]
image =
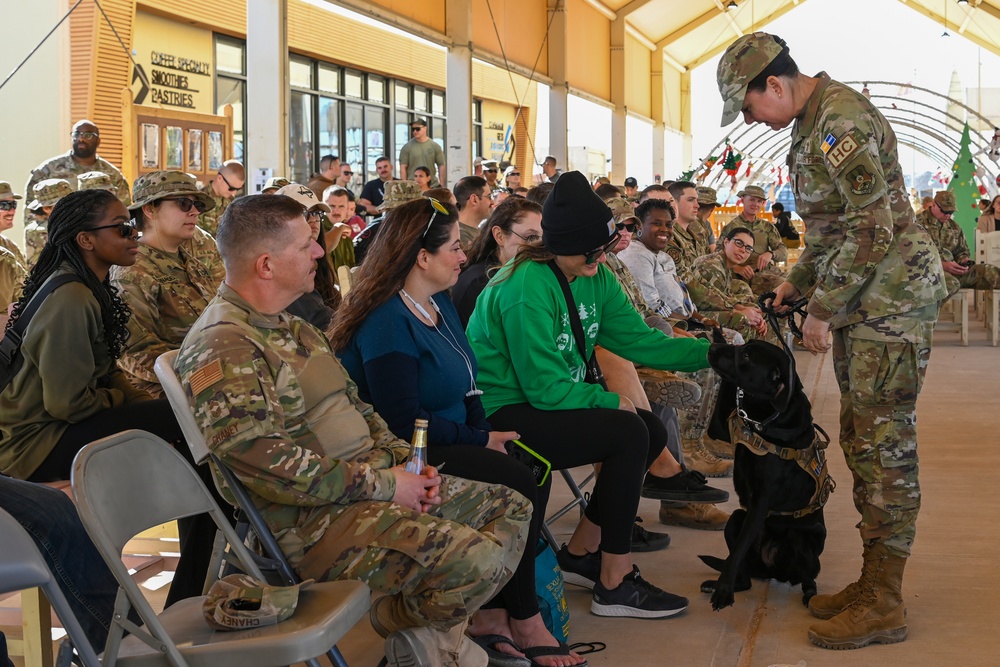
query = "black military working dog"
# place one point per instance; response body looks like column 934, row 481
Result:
column 780, row 472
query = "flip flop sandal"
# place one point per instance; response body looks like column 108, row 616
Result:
column 498, row 658
column 542, row 651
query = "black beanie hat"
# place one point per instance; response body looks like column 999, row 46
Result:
column 574, row 219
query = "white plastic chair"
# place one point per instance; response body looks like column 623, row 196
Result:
column 22, row 566
column 132, row 481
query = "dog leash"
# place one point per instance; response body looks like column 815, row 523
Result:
column 765, row 302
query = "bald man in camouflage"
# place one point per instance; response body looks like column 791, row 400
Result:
column 277, row 407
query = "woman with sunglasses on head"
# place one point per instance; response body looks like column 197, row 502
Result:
column 69, row 391
column 536, row 378
column 514, row 223
column 400, row 339
column 716, row 292
column 166, row 288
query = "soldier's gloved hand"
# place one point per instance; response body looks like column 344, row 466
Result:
column 415, row 491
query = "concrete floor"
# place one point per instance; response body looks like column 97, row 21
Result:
column 950, row 585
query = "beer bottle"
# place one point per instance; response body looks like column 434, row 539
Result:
column 418, row 448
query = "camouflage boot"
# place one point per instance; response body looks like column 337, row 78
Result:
column 877, row 616
column 828, row 606
column 696, row 457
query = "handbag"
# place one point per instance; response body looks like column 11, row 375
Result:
column 10, row 347
column 550, row 589
column 594, row 374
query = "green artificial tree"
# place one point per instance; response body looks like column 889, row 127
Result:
column 963, row 184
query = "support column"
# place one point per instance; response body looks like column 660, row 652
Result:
column 559, row 92
column 619, row 145
column 658, row 102
column 687, row 157
column 458, row 151
column 267, row 88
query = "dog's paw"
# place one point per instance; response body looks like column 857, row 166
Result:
column 808, row 591
column 723, row 596
column 708, row 586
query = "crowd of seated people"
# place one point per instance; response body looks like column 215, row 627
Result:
column 461, row 312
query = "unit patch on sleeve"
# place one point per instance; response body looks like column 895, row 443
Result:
column 860, row 180
column 843, row 150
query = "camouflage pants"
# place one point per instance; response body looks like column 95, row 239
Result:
column 694, row 420
column 880, row 367
column 979, row 276
column 441, row 565
column 767, row 280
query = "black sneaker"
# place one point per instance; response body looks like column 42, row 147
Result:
column 579, row 570
column 636, row 598
column 687, row 486
column 644, row 540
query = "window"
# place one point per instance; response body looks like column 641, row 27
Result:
column 354, row 84
column 412, row 102
column 230, row 87
column 477, row 128
column 300, row 127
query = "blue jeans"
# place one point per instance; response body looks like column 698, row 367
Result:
column 51, row 519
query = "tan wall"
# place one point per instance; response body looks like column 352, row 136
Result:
column 521, row 24
column 112, row 80
column 672, row 106
column 588, row 64
column 430, row 13
column 228, row 16
column 637, row 95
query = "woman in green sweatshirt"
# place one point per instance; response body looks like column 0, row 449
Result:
column 536, row 381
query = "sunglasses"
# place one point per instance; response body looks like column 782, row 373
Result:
column 8, row 205
column 530, row 238
column 314, row 214
column 89, row 136
column 228, row 184
column 185, row 203
column 630, row 226
column 347, row 173
column 592, row 256
column 416, row 128
column 742, row 246
column 492, row 171
column 513, row 173
column 438, row 208
column 126, row 229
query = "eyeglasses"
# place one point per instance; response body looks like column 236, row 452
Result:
column 228, row 184
column 126, row 229
column 8, row 205
column 742, row 246
column 631, row 226
column 89, row 136
column 185, row 203
column 530, row 238
column 592, row 256
column 438, row 208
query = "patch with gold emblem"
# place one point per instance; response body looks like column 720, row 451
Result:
column 860, row 180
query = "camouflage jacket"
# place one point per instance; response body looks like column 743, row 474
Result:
column 209, row 220
column 687, row 245
column 166, row 293
column 863, row 251
column 14, row 250
column 12, row 274
column 202, row 247
column 35, row 236
column 65, row 166
column 765, row 239
column 712, row 285
column 278, row 408
column 947, row 236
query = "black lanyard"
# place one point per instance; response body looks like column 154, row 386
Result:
column 594, row 374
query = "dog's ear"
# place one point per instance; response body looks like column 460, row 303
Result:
column 718, row 336
column 777, row 379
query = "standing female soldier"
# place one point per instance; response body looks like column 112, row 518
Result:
column 878, row 285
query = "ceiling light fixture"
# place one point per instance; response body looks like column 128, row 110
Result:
column 732, row 5
column 963, row 2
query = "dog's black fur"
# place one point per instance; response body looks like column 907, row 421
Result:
column 779, row 547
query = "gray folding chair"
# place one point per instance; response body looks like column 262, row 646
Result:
column 249, row 517
column 23, row 567
column 133, row 481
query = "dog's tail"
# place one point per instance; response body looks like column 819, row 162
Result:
column 713, row 562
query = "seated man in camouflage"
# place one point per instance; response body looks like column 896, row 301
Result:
column 959, row 270
column 326, row 472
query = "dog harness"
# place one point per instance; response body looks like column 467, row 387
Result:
column 812, row 459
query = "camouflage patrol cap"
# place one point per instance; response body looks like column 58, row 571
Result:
column 752, row 191
column 49, row 192
column 398, row 193
column 275, row 183
column 945, row 199
column 304, row 196
column 238, row 602
column 621, row 210
column 707, row 195
column 7, row 192
column 159, row 184
column 745, row 58
column 94, row 180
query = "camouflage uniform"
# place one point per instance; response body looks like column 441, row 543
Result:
column 66, row 167
column 879, row 284
column 9, row 245
column 952, row 246
column 278, row 408
column 36, row 234
column 166, row 293
column 707, row 195
column 12, row 274
column 202, row 247
column 94, row 180
column 765, row 239
column 686, row 246
column 209, row 220
column 716, row 290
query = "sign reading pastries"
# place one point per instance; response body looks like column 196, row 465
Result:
column 173, row 65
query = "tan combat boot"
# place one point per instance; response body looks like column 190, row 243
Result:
column 696, row 457
column 700, row 516
column 828, row 606
column 724, row 450
column 427, row 647
column 877, row 615
column 388, row 614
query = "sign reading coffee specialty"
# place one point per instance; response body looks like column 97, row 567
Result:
column 173, row 65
